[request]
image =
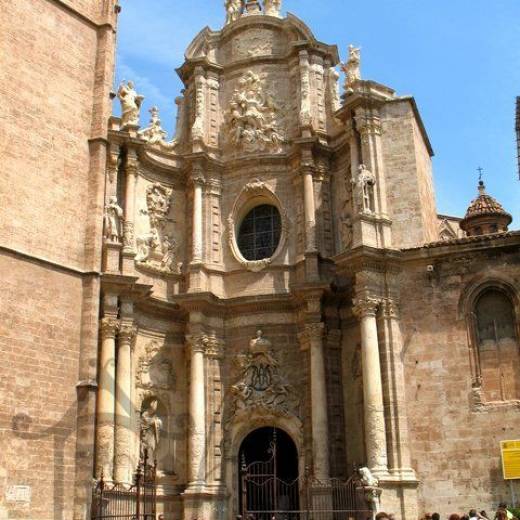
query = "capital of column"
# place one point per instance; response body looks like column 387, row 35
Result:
column 131, row 163
column 109, row 327
column 214, row 348
column 312, row 333
column 197, row 178
column 127, row 332
column 197, row 343
column 364, row 307
column 390, row 308
column 112, row 161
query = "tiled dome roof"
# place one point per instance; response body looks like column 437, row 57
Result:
column 485, row 204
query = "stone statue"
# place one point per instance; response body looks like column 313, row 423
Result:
column 151, row 427
column 272, row 7
column 367, row 479
column 352, row 68
column 364, row 190
column 234, row 9
column 112, row 220
column 131, row 103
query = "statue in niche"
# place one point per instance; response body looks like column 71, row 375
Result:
column 112, row 220
column 234, row 9
column 352, row 68
column 151, row 427
column 254, row 119
column 131, row 103
column 365, row 195
column 272, row 7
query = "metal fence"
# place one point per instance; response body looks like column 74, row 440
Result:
column 120, row 502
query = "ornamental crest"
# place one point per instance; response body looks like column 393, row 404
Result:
column 260, row 384
column 155, row 368
column 254, row 120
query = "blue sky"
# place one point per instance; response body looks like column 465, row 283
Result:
column 459, row 58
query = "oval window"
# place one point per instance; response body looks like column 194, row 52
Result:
column 259, row 233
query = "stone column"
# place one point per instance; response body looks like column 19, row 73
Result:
column 375, row 432
column 198, row 183
column 399, row 458
column 313, row 336
column 123, row 443
column 105, row 401
column 128, row 226
column 310, row 209
column 197, row 413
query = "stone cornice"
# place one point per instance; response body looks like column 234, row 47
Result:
column 369, row 258
column 458, row 246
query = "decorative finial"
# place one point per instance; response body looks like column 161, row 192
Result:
column 481, row 186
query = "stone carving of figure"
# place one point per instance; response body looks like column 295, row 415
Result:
column 131, row 103
column 146, row 244
column 272, row 7
column 112, row 220
column 364, row 184
column 151, row 427
column 234, row 9
column 352, row 68
column 366, row 478
column 168, row 249
column 253, row 118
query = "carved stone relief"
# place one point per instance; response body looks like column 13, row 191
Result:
column 260, row 385
column 254, row 121
column 256, row 42
column 155, row 369
column 157, row 249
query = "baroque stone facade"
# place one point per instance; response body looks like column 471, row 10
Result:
column 279, row 263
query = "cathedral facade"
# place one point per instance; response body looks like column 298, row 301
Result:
column 277, row 272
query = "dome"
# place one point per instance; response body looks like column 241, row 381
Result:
column 485, row 215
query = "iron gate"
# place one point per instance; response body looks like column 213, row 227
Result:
column 265, row 496
column 120, row 502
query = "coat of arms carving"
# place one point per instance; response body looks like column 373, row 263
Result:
column 261, row 384
column 155, row 368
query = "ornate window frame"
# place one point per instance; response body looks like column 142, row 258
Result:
column 467, row 306
column 254, row 194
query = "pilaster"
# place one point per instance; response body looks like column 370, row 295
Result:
column 129, row 251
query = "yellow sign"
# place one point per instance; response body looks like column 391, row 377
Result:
column 510, row 459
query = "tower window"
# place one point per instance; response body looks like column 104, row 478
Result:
column 259, row 233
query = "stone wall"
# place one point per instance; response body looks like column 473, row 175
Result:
column 60, row 61
column 454, row 441
column 411, row 201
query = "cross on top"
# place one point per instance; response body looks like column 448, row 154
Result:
column 480, row 170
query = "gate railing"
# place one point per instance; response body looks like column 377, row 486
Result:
column 120, row 502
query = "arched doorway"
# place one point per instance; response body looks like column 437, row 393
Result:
column 268, row 469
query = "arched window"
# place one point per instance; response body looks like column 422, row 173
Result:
column 497, row 345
